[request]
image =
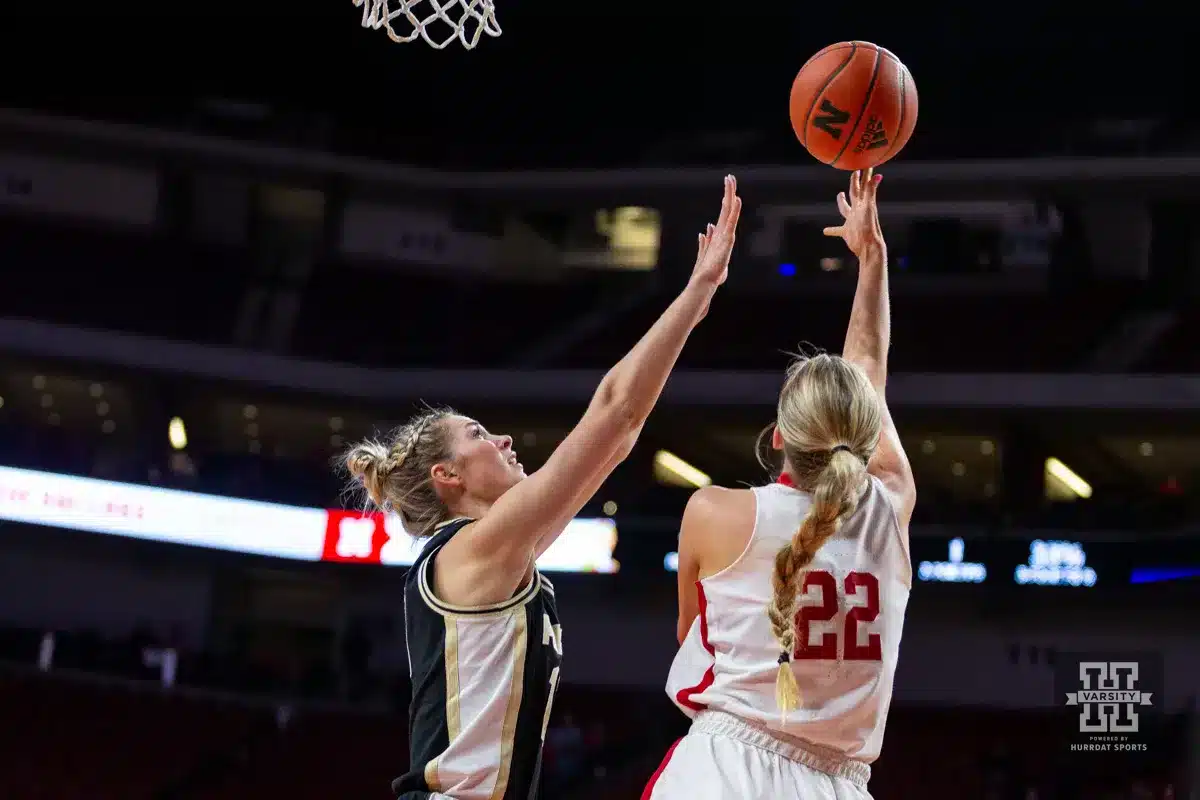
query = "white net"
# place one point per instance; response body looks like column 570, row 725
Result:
column 438, row 22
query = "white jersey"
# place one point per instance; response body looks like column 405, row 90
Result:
column 849, row 618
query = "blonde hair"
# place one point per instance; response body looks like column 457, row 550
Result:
column 395, row 473
column 830, row 421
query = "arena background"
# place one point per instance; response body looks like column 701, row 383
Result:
column 233, row 240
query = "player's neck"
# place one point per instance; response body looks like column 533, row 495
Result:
column 471, row 507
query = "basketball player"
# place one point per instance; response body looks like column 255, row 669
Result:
column 792, row 595
column 484, row 640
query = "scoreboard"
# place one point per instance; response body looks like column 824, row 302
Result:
column 1032, row 561
column 1059, row 561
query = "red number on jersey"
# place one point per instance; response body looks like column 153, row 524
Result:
column 868, row 612
column 827, row 650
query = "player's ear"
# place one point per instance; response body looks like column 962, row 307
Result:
column 776, row 439
column 445, row 475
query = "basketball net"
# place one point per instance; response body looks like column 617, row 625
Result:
column 464, row 20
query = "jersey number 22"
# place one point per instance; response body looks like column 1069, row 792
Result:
column 862, row 585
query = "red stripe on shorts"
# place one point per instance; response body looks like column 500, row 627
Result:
column 649, row 790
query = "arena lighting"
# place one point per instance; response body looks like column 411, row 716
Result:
column 1055, row 564
column 670, row 468
column 671, row 562
column 1066, row 476
column 177, row 433
column 248, row 526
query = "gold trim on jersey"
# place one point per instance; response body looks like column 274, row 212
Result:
column 453, row 706
column 431, row 776
column 521, row 598
column 508, row 730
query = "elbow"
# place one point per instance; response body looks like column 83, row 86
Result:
column 627, row 427
column 622, row 416
column 627, row 445
column 621, row 405
column 626, row 415
column 874, row 367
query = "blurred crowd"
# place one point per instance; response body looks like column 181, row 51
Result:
column 226, row 723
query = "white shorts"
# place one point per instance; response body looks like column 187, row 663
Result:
column 725, row 758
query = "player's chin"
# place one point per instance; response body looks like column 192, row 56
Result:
column 511, row 475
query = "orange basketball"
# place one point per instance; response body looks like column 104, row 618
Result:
column 854, row 105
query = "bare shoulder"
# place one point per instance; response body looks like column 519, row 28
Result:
column 718, row 506
column 717, row 526
column 462, row 577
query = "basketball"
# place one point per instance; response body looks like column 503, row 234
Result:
column 854, row 105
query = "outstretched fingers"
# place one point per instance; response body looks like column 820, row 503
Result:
column 726, row 226
column 727, row 202
column 735, row 213
column 873, row 181
column 843, row 205
column 861, row 182
column 844, row 208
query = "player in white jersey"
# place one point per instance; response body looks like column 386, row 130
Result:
column 792, row 595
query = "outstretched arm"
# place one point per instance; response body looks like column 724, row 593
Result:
column 499, row 548
column 586, row 493
column 869, row 333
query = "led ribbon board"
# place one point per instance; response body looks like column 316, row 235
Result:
column 249, row 526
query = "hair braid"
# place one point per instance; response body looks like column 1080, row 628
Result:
column 834, row 499
column 402, row 449
column 396, row 472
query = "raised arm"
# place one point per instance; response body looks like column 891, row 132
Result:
column 869, row 332
column 528, row 517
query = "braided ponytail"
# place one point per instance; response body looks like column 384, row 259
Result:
column 834, row 499
column 829, row 421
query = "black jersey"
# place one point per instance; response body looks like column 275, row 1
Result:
column 483, row 681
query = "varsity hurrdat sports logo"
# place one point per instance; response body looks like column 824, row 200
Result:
column 1112, row 700
column 1109, row 698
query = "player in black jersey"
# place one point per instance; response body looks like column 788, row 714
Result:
column 484, row 639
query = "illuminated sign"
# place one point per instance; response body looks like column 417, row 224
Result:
column 1056, row 564
column 953, row 570
column 248, row 526
column 1163, row 574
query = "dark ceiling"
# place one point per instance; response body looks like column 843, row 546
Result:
column 595, row 83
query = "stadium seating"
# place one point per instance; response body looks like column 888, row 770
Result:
column 128, row 281
column 124, row 741
column 106, row 742
column 929, row 334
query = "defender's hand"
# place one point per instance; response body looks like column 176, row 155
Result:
column 716, row 243
column 860, row 231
